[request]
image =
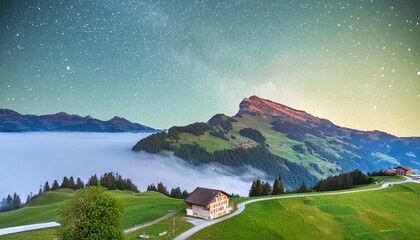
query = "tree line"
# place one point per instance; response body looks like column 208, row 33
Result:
column 378, row 173
column 260, row 188
column 110, row 181
column 174, row 193
column 343, row 181
column 11, row 202
column 339, row 182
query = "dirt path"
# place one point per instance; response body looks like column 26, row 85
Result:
column 135, row 228
column 241, row 206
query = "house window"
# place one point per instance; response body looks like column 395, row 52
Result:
column 189, row 206
column 206, row 208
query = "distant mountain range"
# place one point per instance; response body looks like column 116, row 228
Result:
column 11, row 121
column 280, row 140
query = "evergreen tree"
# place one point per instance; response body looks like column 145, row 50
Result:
column 46, row 187
column 256, row 189
column 278, row 187
column 28, row 198
column 79, row 184
column 151, row 187
column 130, row 185
column 16, row 202
column 162, row 189
column 108, row 180
column 266, row 189
column 185, row 194
column 72, row 184
column 6, row 204
column 251, row 192
column 93, row 181
column 176, row 193
column 65, row 183
column 3, row 205
column 55, row 185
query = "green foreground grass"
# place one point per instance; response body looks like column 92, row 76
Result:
column 392, row 213
column 167, row 225
column 139, row 208
column 44, row 234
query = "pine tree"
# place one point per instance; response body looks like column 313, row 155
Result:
column 46, row 187
column 278, row 186
column 151, row 187
column 185, row 194
column 93, row 181
column 65, row 183
column 16, row 202
column 176, row 193
column 55, row 185
column 162, row 189
column 252, row 191
column 28, row 198
column 79, row 184
column 256, row 189
column 266, row 189
column 72, row 184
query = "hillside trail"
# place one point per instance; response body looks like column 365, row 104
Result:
column 241, row 206
column 135, row 228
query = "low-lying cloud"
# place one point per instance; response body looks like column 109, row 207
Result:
column 27, row 160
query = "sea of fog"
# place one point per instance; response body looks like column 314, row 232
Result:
column 27, row 160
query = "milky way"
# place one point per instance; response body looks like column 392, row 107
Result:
column 164, row 63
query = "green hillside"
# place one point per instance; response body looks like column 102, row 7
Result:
column 282, row 141
column 139, row 208
column 392, row 213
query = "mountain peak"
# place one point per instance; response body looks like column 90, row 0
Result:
column 258, row 106
column 117, row 119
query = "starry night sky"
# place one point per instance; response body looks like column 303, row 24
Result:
column 165, row 63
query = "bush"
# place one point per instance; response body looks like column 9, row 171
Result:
column 91, row 214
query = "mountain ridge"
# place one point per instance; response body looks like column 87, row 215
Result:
column 280, row 140
column 12, row 121
column 244, row 107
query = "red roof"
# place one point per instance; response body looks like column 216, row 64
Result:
column 203, row 196
column 405, row 168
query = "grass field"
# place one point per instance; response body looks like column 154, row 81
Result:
column 167, row 225
column 42, row 209
column 392, row 213
column 139, row 208
column 45, row 234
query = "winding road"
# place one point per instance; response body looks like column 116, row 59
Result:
column 241, row 206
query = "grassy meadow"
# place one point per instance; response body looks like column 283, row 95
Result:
column 168, row 225
column 139, row 208
column 392, row 213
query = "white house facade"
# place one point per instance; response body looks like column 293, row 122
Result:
column 208, row 203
